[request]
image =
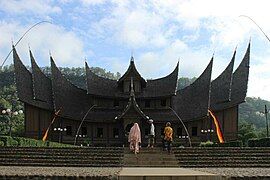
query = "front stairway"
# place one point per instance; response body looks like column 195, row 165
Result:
column 149, row 158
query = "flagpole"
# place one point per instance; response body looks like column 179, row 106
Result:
column 47, row 131
column 75, row 139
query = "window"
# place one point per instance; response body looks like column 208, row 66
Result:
column 147, row 103
column 115, row 132
column 100, row 132
column 84, row 131
column 115, row 103
column 194, row 131
column 179, row 132
column 163, row 102
column 69, row 131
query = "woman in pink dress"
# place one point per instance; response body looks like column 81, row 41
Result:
column 134, row 138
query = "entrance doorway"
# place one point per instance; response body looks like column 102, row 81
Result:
column 128, row 127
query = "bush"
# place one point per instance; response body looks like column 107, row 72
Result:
column 27, row 142
column 2, row 143
column 231, row 144
column 206, row 144
column 226, row 144
column 263, row 142
column 8, row 141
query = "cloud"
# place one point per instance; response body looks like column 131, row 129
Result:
column 92, row 2
column 67, row 49
column 159, row 33
column 41, row 7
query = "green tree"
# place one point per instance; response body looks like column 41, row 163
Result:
column 185, row 81
column 246, row 131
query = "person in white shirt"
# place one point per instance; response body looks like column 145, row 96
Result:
column 151, row 136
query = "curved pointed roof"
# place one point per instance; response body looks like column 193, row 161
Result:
column 42, row 85
column 240, row 80
column 162, row 87
column 73, row 101
column 23, row 80
column 165, row 86
column 193, row 101
column 97, row 85
column 132, row 72
column 221, row 86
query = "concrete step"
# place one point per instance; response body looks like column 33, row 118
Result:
column 223, row 158
column 84, row 157
column 148, row 157
column 148, row 173
column 56, row 164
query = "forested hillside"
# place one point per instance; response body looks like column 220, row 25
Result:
column 251, row 117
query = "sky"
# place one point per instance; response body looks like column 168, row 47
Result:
column 158, row 33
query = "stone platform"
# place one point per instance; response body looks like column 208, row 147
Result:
column 165, row 174
column 131, row 173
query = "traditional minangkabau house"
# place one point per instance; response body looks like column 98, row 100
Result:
column 119, row 103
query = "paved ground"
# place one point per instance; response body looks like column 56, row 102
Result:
column 145, row 173
column 57, row 171
column 111, row 173
column 237, row 172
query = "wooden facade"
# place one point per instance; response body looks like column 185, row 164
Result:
column 118, row 104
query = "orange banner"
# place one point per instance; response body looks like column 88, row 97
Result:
column 47, row 131
column 218, row 130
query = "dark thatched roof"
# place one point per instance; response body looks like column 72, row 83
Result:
column 190, row 103
column 100, row 86
column 162, row 87
column 193, row 101
column 42, row 85
column 165, row 86
column 73, row 101
column 23, row 80
column 240, row 81
column 131, row 72
column 221, row 86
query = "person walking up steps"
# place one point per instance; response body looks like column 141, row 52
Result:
column 134, row 138
column 168, row 133
column 151, row 136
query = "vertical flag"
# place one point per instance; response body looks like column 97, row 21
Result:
column 219, row 132
column 47, row 131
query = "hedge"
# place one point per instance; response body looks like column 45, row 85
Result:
column 2, row 143
column 8, row 141
column 206, row 144
column 27, row 142
column 226, row 144
column 262, row 142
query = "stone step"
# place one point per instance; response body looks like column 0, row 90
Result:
column 221, row 162
column 222, row 154
column 56, row 164
column 84, row 157
column 51, row 150
column 255, row 158
column 149, row 158
column 64, row 161
column 59, row 157
column 225, row 165
column 222, row 150
column 156, row 173
column 63, row 154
